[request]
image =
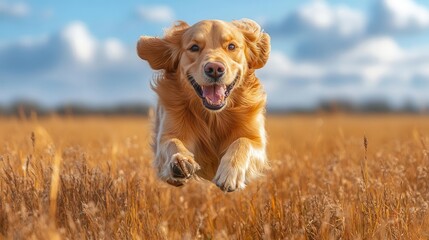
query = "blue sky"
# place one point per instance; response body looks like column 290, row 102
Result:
column 56, row 52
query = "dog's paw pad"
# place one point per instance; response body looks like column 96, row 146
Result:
column 183, row 167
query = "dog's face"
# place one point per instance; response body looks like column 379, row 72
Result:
column 211, row 56
column 213, row 60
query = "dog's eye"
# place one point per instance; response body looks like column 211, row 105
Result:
column 194, row 48
column 231, row 46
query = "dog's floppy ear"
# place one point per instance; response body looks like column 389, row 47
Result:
column 163, row 53
column 258, row 42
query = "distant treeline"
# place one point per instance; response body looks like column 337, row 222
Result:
column 344, row 106
column 28, row 108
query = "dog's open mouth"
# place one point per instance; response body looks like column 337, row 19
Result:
column 214, row 96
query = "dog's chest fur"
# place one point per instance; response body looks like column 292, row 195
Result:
column 208, row 134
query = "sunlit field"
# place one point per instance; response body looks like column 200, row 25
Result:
column 331, row 177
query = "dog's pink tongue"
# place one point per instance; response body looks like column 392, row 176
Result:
column 215, row 93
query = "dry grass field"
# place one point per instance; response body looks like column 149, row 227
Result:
column 91, row 178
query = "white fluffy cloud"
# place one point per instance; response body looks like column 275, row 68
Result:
column 319, row 16
column 159, row 14
column 399, row 16
column 73, row 45
column 320, row 29
column 340, row 53
column 386, row 16
column 377, row 68
column 14, row 10
column 377, row 49
column 72, row 65
column 114, row 50
column 82, row 45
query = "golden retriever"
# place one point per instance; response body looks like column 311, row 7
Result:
column 210, row 115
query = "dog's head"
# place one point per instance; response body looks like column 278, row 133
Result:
column 212, row 56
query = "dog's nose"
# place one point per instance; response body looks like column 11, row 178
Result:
column 214, row 70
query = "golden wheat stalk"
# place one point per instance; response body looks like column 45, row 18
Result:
column 55, row 177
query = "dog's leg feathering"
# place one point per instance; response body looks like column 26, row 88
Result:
column 241, row 162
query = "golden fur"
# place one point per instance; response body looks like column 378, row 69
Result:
column 226, row 145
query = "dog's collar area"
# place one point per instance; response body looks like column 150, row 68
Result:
column 199, row 90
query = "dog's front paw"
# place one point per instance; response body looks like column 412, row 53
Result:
column 229, row 178
column 181, row 168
